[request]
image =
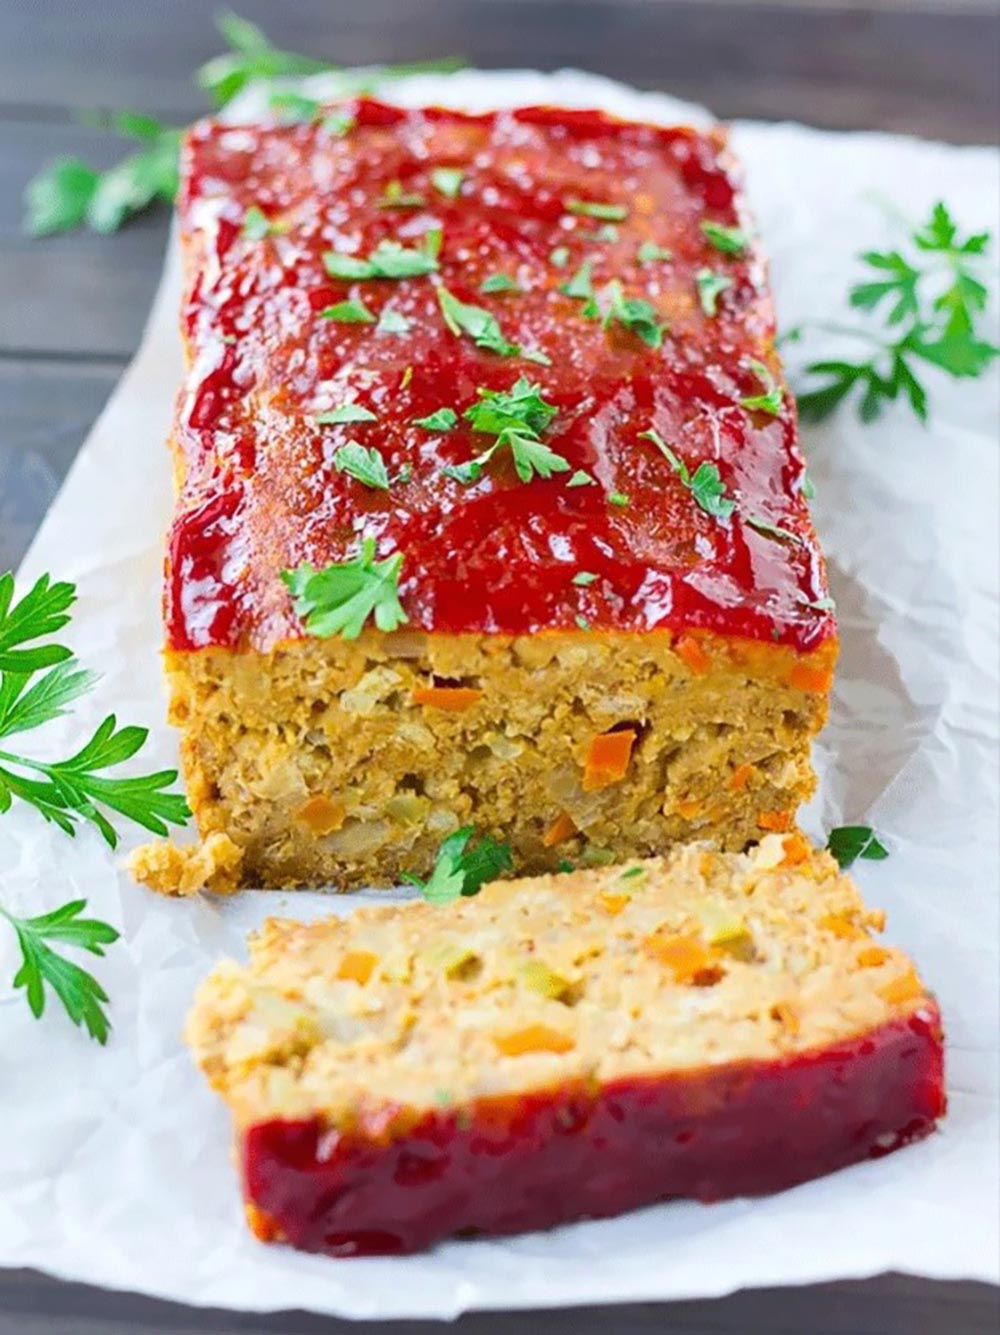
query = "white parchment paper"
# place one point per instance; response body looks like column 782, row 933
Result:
column 114, row 1164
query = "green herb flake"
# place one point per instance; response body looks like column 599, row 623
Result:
column 771, row 400
column 711, row 286
column 583, row 578
column 464, row 864
column 257, row 226
column 516, row 418
column 705, row 485
column 617, row 498
column 338, row 124
column 347, row 412
column 581, row 479
column 633, row 313
column 820, row 604
column 366, row 465
column 393, row 322
column 348, row 312
column 482, row 327
column 769, row 530
column 447, row 181
column 807, row 487
column 292, row 107
column 559, row 256
column 581, row 284
column 582, row 622
column 499, row 282
column 631, row 872
column 395, row 197
column 847, row 843
column 728, row 240
column 585, row 208
column 339, row 599
column 442, row 420
column 388, row 260
column 649, row 253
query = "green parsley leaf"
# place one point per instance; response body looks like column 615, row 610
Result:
column 58, row 198
column 807, row 487
column 585, row 208
column 339, row 599
column 464, row 864
column 649, row 252
column 42, row 611
column 581, row 284
column 499, row 282
column 294, row 107
column 603, row 235
column 630, row 872
column 395, row 197
column 392, row 322
column 900, row 285
column 257, row 226
column 443, row 419
column 532, row 456
column 482, row 327
column 847, row 843
column 581, row 479
column 705, row 484
column 447, row 181
column 81, row 995
column 617, row 498
column 710, row 286
column 388, row 260
column 583, row 578
column 516, row 417
column 633, row 313
column 338, row 123
column 769, row 530
column 367, row 465
column 582, row 622
column 559, row 256
column 251, row 56
column 348, row 312
column 772, row 399
column 728, row 240
column 347, row 412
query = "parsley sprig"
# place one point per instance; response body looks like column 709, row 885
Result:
column 705, row 484
column 483, row 328
column 931, row 298
column 464, row 864
column 339, row 599
column 81, row 994
column 389, row 259
column 66, row 792
column 847, row 843
column 517, row 418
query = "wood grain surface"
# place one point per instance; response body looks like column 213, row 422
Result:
column 73, row 309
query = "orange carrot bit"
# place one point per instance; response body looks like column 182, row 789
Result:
column 562, row 828
column 689, row 808
column 611, row 903
column 452, row 699
column 687, row 958
column 842, row 927
column 322, row 814
column 796, row 850
column 740, row 777
column 903, row 988
column 816, row 681
column 692, row 653
column 262, row 1226
column 607, row 759
column 357, row 965
column 777, row 821
column 534, row 1038
column 872, row 956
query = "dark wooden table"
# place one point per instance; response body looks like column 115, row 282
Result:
column 73, row 309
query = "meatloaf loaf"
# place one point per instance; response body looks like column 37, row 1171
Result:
column 703, row 1025
column 490, row 504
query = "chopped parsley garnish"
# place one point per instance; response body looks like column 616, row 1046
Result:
column 482, row 327
column 607, row 233
column 499, row 282
column 559, row 256
column 292, row 107
column 581, row 479
column 583, row 578
column 348, row 312
column 464, row 864
column 447, row 181
column 388, row 260
column 931, row 301
column 444, row 419
column 770, row 530
column 339, row 599
column 728, row 240
column 67, row 791
column 649, row 252
column 392, row 322
column 516, row 417
column 256, row 225
column 582, row 621
column 821, row 604
column 633, row 313
column 631, row 872
column 395, row 197
column 847, row 843
column 347, row 412
column 771, row 400
column 711, row 286
column 581, row 284
column 366, row 465
column 338, row 123
column 705, row 484
column 807, row 487
column 586, row 208
column 617, row 498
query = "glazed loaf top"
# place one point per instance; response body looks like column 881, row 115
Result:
column 383, row 265
column 668, row 966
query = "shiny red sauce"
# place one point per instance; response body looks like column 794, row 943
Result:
column 512, row 1165
column 261, row 493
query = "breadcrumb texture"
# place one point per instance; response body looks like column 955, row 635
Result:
column 348, row 763
column 736, row 1009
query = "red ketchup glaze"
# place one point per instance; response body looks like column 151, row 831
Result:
column 497, row 556
column 511, row 1165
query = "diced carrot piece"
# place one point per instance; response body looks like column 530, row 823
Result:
column 689, row 808
column 787, row 1016
column 777, row 821
column 607, row 759
column 262, row 1226
column 534, row 1038
column 796, row 850
column 872, row 956
column 322, row 814
column 562, row 828
column 817, row 681
column 357, row 965
column 904, row 988
column 740, row 777
column 842, row 927
column 612, row 903
column 453, row 699
column 686, row 957
column 688, row 649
